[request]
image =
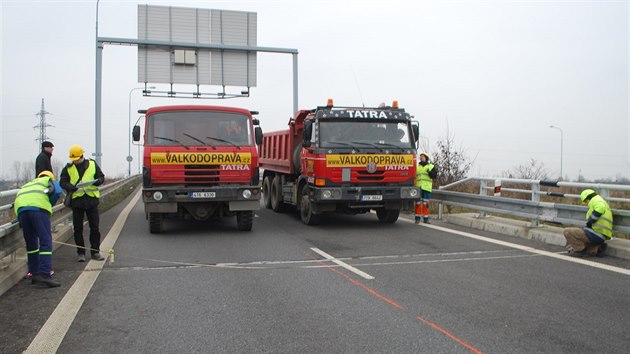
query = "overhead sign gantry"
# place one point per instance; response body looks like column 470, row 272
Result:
column 191, row 46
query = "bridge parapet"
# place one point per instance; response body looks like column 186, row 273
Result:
column 12, row 259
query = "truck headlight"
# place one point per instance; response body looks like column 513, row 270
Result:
column 410, row 192
column 247, row 193
column 330, row 194
column 158, row 196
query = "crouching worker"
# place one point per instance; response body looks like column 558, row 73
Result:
column 591, row 239
column 33, row 207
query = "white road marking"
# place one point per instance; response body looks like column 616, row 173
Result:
column 563, row 257
column 309, row 264
column 342, row 264
column 54, row 330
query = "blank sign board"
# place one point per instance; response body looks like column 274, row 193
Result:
column 196, row 66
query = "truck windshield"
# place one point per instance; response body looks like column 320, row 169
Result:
column 190, row 128
column 362, row 133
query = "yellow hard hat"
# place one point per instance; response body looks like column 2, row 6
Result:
column 587, row 193
column 46, row 173
column 76, row 151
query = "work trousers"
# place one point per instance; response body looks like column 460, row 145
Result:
column 93, row 221
column 422, row 206
column 38, row 237
column 578, row 240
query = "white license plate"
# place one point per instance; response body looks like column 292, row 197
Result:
column 202, row 194
column 371, row 197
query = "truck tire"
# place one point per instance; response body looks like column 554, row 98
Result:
column 244, row 220
column 306, row 209
column 387, row 216
column 156, row 223
column 276, row 195
column 266, row 190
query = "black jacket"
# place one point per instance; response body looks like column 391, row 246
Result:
column 85, row 201
column 42, row 163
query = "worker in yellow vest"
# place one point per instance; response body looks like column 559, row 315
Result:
column 591, row 239
column 425, row 173
column 85, row 199
column 33, row 207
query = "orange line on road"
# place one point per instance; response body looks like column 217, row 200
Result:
column 450, row 335
column 357, row 283
column 396, row 305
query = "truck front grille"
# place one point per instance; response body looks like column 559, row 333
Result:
column 370, row 177
column 202, row 174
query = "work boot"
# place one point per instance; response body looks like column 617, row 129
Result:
column 81, row 258
column 601, row 251
column 426, row 221
column 29, row 276
column 44, row 280
column 580, row 254
column 417, row 219
column 98, row 257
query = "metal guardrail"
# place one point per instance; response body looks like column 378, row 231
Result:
column 533, row 209
column 10, row 237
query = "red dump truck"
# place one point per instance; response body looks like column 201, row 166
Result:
column 342, row 159
column 200, row 162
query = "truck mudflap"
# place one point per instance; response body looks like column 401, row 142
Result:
column 244, row 205
column 163, row 208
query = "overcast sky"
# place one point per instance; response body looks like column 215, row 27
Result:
column 496, row 73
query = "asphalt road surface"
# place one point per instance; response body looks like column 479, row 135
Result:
column 349, row 285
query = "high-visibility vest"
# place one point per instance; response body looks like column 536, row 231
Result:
column 422, row 177
column 88, row 175
column 604, row 224
column 34, row 194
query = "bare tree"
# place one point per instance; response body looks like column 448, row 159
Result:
column 533, row 170
column 28, row 172
column 16, row 168
column 452, row 162
column 21, row 172
column 57, row 166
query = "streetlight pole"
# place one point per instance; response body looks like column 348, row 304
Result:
column 561, row 146
column 97, row 93
column 129, row 158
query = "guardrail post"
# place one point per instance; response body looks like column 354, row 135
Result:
column 482, row 191
column 440, row 210
column 497, row 187
column 535, row 198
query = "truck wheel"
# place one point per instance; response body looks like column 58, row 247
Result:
column 276, row 195
column 387, row 216
column 244, row 220
column 306, row 209
column 156, row 223
column 266, row 190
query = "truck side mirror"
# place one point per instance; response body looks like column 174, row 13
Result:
column 256, row 121
column 308, row 130
column 259, row 135
column 136, row 133
column 416, row 132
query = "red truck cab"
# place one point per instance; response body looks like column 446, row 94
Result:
column 200, row 162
